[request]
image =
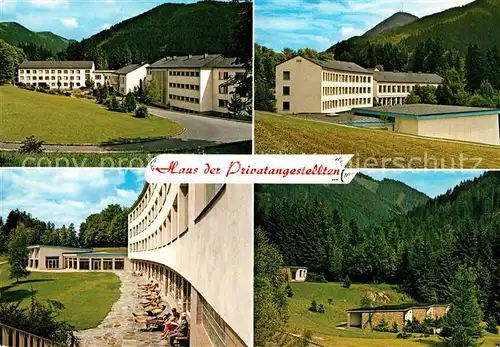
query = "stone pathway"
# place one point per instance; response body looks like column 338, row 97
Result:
column 118, row 328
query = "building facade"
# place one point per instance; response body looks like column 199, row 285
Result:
column 196, row 241
column 56, row 74
column 130, row 77
column 105, row 77
column 369, row 318
column 315, row 86
column 195, row 83
column 295, row 273
column 42, row 257
column 392, row 88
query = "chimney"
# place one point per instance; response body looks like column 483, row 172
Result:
column 205, row 55
column 189, row 57
column 174, row 57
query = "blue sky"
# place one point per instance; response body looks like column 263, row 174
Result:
column 432, row 183
column 319, row 24
column 65, row 196
column 74, row 19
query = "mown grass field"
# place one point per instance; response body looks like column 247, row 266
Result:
column 67, row 120
column 87, row 296
column 324, row 326
column 275, row 134
column 112, row 159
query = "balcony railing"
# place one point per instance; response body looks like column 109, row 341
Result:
column 12, row 337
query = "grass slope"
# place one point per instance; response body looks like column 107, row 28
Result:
column 396, row 20
column 61, row 119
column 275, row 134
column 87, row 296
column 14, row 33
column 323, row 326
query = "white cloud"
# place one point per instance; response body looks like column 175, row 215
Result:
column 70, row 23
column 48, row 3
column 105, row 26
column 348, row 31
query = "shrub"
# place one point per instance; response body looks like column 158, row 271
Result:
column 395, row 328
column 382, row 326
column 31, row 145
column 114, row 105
column 129, row 103
column 141, row 112
column 330, row 301
column 491, row 326
column 347, row 282
column 289, row 291
column 314, row 277
column 321, row 308
column 314, row 306
column 403, row 335
column 67, row 93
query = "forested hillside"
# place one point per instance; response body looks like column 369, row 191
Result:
column 420, row 250
column 396, row 20
column 107, row 228
column 15, row 34
column 169, row 29
column 379, row 198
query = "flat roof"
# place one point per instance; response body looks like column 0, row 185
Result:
column 62, row 247
column 99, row 255
column 407, row 77
column 424, row 111
column 396, row 308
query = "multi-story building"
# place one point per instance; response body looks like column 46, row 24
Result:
column 108, row 77
column 130, row 77
column 195, row 83
column 306, row 85
column 56, row 74
column 196, row 241
column 392, row 88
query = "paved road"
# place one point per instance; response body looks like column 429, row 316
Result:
column 201, row 131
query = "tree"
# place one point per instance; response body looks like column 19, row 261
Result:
column 475, row 66
column 152, row 91
column 18, row 253
column 10, row 59
column 491, row 326
column 89, row 84
column 347, row 282
column 289, row 291
column 129, row 103
column 270, row 304
column 412, row 98
column 452, row 90
column 31, row 145
column 463, row 321
column 236, row 106
column 486, row 90
column 114, row 104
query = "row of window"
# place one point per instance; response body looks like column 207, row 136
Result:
column 391, row 101
column 327, row 105
column 50, row 78
column 223, row 103
column 154, row 210
column 184, row 73
column 34, row 72
column 327, row 91
column 184, row 98
column 338, row 77
column 395, row 89
column 184, row 86
column 53, row 84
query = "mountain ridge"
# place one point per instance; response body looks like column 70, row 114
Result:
column 15, row 33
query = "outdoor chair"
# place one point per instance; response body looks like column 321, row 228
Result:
column 182, row 340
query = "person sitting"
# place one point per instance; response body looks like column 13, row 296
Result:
column 151, row 311
column 171, row 324
column 181, row 333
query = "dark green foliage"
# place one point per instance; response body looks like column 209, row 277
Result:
column 31, row 145
column 315, row 277
column 347, row 282
column 330, row 301
column 404, row 335
column 101, row 93
column 129, row 103
column 237, row 107
column 412, row 98
column 491, row 326
column 114, row 104
column 18, row 252
column 426, row 94
column 17, row 35
column 420, row 249
column 289, row 291
column 170, row 29
column 107, row 228
column 382, row 326
column 452, row 90
column 39, row 318
column 463, row 321
column 314, row 306
column 475, row 66
column 10, row 59
column 395, row 328
column 270, row 304
column 141, row 112
column 321, row 308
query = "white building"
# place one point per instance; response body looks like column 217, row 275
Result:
column 195, row 83
column 56, row 74
column 306, row 85
column 196, row 240
column 102, row 77
column 130, row 77
column 392, row 88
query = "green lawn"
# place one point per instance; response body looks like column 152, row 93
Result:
column 61, row 119
column 324, row 326
column 87, row 296
column 275, row 134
